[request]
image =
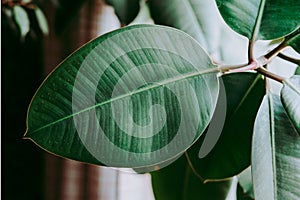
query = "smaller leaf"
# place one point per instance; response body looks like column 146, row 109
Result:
column 258, row 19
column 290, row 96
column 177, row 181
column 231, row 154
column 125, row 10
column 42, row 21
column 22, row 21
column 201, row 20
column 245, row 180
column 144, row 16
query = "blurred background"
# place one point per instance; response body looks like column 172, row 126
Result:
column 36, row 37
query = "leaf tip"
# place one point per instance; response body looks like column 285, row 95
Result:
column 25, row 135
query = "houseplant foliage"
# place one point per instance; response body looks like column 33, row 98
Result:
column 149, row 96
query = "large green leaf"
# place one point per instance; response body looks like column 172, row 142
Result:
column 134, row 97
column 290, row 96
column 232, row 152
column 275, row 153
column 201, row 19
column 126, row 10
column 261, row 19
column 177, row 181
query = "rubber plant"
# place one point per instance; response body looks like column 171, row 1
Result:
column 187, row 98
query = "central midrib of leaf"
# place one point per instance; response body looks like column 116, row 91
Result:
column 258, row 21
column 292, row 86
column 148, row 87
column 272, row 134
column 245, row 96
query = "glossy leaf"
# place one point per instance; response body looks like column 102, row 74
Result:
column 290, row 96
column 232, row 152
column 135, row 97
column 201, row 20
column 261, row 19
column 177, row 182
column 275, row 153
column 126, row 10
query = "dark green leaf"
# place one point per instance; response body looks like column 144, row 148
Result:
column 177, row 182
column 290, row 96
column 126, row 10
column 201, row 20
column 135, row 97
column 231, row 154
column 261, row 19
column 275, row 153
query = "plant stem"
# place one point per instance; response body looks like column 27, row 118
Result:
column 269, row 74
column 255, row 31
column 292, row 35
column 250, row 51
column 227, row 68
column 273, row 53
column 255, row 65
column 283, row 44
column 290, row 59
